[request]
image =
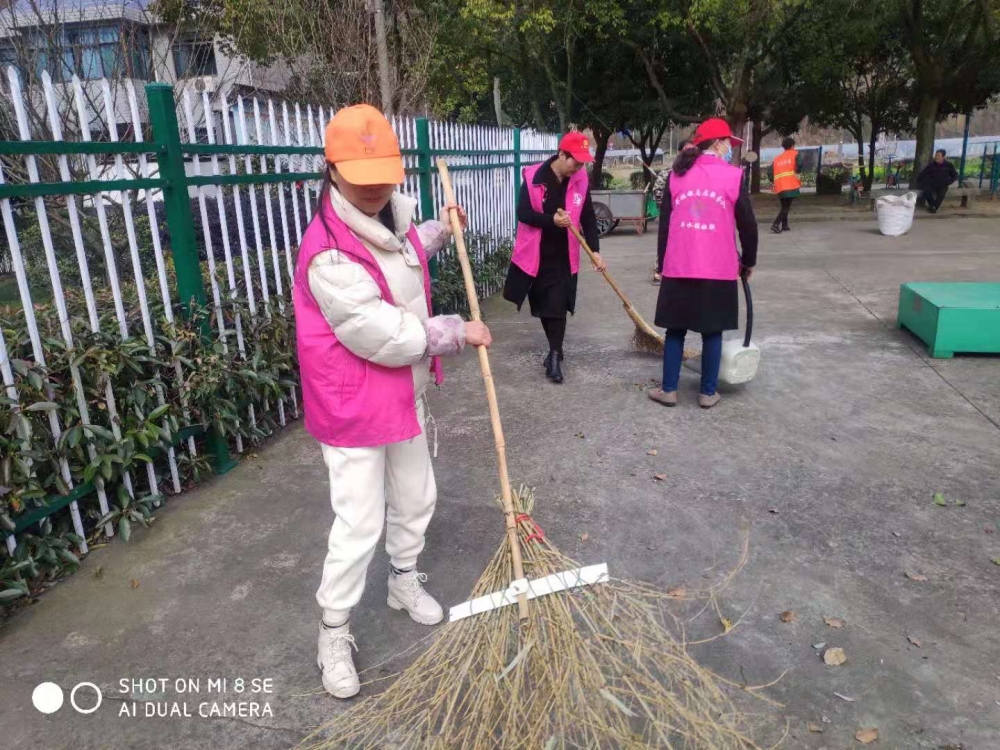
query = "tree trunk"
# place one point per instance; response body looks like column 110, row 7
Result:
column 568, row 106
column 926, row 122
column 502, row 119
column 758, row 137
column 738, row 123
column 868, row 177
column 384, row 76
column 603, row 137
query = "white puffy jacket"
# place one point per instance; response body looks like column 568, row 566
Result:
column 402, row 334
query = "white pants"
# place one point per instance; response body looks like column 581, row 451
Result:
column 369, row 486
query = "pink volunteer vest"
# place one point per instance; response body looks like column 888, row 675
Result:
column 350, row 402
column 528, row 244
column 701, row 243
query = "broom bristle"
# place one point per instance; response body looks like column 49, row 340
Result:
column 646, row 342
column 594, row 667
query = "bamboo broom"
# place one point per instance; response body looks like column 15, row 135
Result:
column 491, row 392
column 645, row 338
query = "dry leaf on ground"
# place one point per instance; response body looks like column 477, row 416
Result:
column 788, row 616
column 915, row 576
column 834, row 657
column 866, row 736
column 679, row 592
column 134, row 583
column 814, row 728
column 834, row 622
column 584, row 536
column 914, row 641
column 652, row 452
column 660, row 477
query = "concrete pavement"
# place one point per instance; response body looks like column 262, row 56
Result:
column 830, row 458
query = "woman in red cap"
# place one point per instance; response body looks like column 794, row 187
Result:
column 554, row 196
column 368, row 348
column 704, row 206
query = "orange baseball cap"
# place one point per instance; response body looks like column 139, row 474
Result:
column 360, row 142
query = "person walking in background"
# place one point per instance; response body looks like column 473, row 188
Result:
column 554, row 196
column 368, row 349
column 784, row 172
column 934, row 180
column 703, row 208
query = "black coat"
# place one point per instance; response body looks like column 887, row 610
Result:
column 552, row 293
column 937, row 176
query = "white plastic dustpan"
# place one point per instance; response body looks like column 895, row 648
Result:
column 740, row 359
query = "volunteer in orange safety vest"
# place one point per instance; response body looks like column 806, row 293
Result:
column 784, row 176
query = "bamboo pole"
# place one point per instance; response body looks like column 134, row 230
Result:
column 491, row 393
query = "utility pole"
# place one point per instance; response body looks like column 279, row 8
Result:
column 385, row 80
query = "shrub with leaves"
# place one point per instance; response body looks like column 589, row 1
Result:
column 219, row 387
column 490, row 259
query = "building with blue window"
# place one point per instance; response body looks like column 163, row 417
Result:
column 119, row 40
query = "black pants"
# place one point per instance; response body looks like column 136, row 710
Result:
column 934, row 197
column 555, row 332
column 786, row 206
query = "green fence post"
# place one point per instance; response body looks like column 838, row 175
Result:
column 426, row 167
column 517, row 166
column 965, row 150
column 994, row 172
column 177, row 207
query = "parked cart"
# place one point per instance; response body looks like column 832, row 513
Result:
column 614, row 207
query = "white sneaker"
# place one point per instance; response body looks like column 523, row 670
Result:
column 340, row 678
column 406, row 591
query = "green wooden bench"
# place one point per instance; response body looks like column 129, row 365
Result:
column 952, row 318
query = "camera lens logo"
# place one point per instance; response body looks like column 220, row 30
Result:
column 48, row 698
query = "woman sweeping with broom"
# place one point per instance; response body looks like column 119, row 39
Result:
column 555, row 196
column 368, row 347
column 703, row 207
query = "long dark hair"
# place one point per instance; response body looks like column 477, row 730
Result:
column 689, row 155
column 385, row 216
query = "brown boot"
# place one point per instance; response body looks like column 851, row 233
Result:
column 661, row 396
column 707, row 402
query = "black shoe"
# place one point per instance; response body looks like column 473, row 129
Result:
column 786, row 228
column 548, row 357
column 554, row 369
column 776, row 229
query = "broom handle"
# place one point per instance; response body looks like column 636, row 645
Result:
column 491, row 392
column 607, row 277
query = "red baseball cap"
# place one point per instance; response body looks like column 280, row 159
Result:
column 713, row 128
column 577, row 145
